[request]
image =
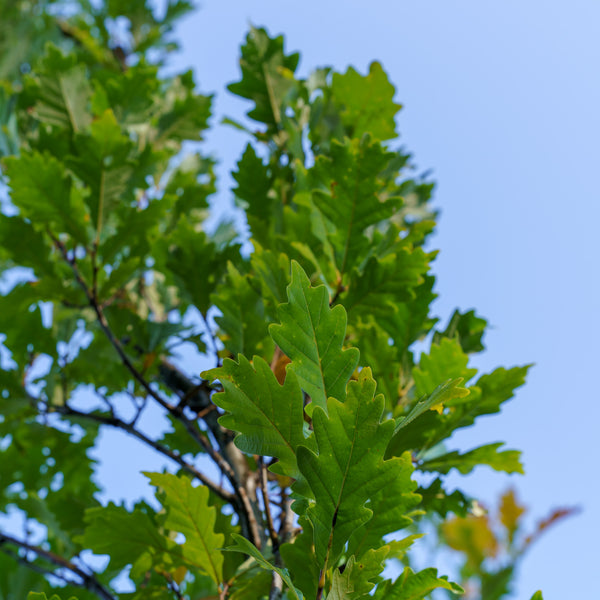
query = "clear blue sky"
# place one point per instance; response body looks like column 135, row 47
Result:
column 501, row 100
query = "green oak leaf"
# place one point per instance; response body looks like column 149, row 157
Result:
column 443, row 393
column 253, row 185
column 264, row 67
column 299, row 556
column 242, row 322
column 467, row 327
column 366, row 102
column 349, row 468
column 507, row 460
column 44, row 192
column 273, row 273
column 312, row 334
column 496, row 388
column 445, row 360
column 196, row 264
column 185, row 114
column 356, row 580
column 377, row 353
column 267, row 416
column 348, row 196
column 61, row 91
column 189, row 513
column 392, row 508
column 386, row 281
column 415, row 586
column 102, row 161
column 144, row 545
column 485, row 397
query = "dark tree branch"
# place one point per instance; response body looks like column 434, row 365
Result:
column 286, row 519
column 263, row 484
column 232, row 462
column 212, row 339
column 88, row 581
column 117, row 423
column 34, row 566
column 244, row 506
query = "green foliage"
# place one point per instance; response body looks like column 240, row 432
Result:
column 311, row 334
column 298, row 453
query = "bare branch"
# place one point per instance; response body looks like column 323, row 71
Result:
column 263, row 483
column 286, row 519
column 113, row 421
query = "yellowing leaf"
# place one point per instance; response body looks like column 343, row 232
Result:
column 510, row 513
column 473, row 536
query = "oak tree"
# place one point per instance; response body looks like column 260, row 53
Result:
column 294, row 465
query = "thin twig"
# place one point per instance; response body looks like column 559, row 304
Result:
column 88, row 581
column 129, row 428
column 34, row 566
column 101, row 318
column 263, row 483
column 211, row 337
column 286, row 519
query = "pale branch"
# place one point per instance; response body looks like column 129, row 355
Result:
column 88, row 580
column 276, row 591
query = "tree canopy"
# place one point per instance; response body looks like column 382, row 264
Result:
column 313, row 453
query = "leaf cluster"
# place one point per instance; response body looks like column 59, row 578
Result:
column 318, row 416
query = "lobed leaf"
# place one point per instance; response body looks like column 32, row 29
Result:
column 312, row 334
column 349, row 468
column 445, row 360
column 348, row 197
column 366, row 103
column 143, row 547
column 264, row 65
column 356, row 581
column 386, row 281
column 392, row 508
column 507, row 460
column 189, row 513
column 267, row 416
column 43, row 191
column 242, row 321
column 449, row 390
column 415, row 586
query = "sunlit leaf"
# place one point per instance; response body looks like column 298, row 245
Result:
column 268, row 416
column 188, row 513
column 349, row 468
column 312, row 334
